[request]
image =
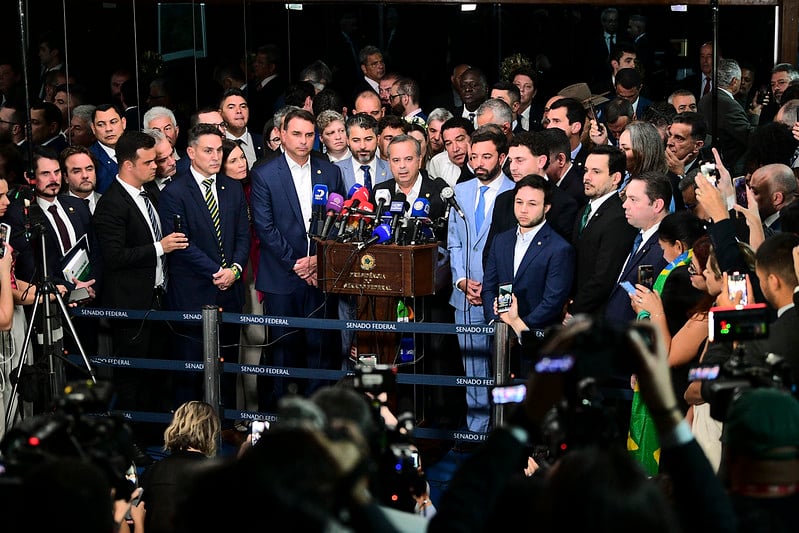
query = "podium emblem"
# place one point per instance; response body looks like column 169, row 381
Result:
column 367, row 262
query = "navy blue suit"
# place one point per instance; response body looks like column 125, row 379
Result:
column 542, row 282
column 190, row 284
column 619, row 310
column 280, row 227
column 107, row 169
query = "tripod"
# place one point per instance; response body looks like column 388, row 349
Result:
column 51, row 329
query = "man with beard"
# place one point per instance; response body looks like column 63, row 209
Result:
column 466, row 240
column 78, row 166
column 404, row 99
column 534, row 258
column 363, row 168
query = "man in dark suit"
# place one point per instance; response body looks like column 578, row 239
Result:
column 532, row 256
column 529, row 154
column 213, row 215
column 473, row 87
column 281, row 200
column 568, row 115
column 560, row 169
column 776, row 265
column 735, row 124
column 684, row 150
column 236, row 113
column 134, row 252
column 602, row 237
column 628, row 86
column 267, row 87
column 647, row 203
column 108, row 125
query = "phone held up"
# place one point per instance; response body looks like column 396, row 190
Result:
column 736, row 282
column 504, row 297
column 646, row 276
column 257, row 428
column 5, row 232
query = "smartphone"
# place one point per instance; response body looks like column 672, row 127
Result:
column 704, row 373
column 133, row 503
column 594, row 116
column 763, row 95
column 509, row 394
column 710, row 172
column 177, row 222
column 627, row 286
column 737, row 282
column 77, row 296
column 257, row 428
column 5, row 231
column 740, row 190
column 646, row 276
column 504, row 297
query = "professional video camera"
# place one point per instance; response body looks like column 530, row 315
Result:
column 724, row 382
column 591, row 362
column 78, row 427
column 400, row 476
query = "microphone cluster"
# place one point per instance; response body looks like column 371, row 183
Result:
column 391, row 221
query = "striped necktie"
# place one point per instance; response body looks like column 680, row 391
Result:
column 213, row 209
column 155, row 223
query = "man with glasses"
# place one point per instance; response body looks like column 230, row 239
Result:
column 404, row 99
column 10, row 124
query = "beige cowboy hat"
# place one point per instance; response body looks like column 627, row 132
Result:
column 581, row 92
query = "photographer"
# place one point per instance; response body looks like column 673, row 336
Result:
column 627, row 500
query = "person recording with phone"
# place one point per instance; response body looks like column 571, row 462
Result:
column 534, row 258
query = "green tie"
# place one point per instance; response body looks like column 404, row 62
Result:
column 586, row 216
column 214, row 210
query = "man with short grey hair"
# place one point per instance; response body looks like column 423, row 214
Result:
column 734, row 125
column 496, row 111
column 80, row 126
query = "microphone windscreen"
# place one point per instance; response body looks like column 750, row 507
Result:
column 382, row 232
column 319, row 194
column 361, row 194
column 353, row 189
column 421, row 208
column 335, row 202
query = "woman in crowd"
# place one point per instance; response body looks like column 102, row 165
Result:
column 332, row 126
column 644, row 149
column 190, row 440
column 234, row 164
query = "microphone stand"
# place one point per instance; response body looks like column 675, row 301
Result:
column 51, row 330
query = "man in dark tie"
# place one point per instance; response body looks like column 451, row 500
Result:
column 647, row 203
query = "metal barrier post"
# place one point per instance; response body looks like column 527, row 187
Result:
column 212, row 365
column 501, row 363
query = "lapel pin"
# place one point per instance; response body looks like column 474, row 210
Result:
column 222, row 187
column 539, row 243
column 318, row 171
column 71, row 209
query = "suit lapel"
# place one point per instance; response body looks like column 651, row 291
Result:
column 290, row 191
column 193, row 190
column 536, row 245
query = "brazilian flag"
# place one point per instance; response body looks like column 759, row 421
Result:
column 642, row 439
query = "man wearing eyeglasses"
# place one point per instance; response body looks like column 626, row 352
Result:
column 404, row 98
column 10, row 124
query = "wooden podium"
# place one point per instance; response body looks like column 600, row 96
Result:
column 378, row 275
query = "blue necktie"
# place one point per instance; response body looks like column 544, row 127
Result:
column 636, row 243
column 367, row 178
column 480, row 212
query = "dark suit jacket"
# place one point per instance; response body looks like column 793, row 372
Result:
column 601, row 251
column 28, row 252
column 263, row 101
column 542, row 281
column 190, row 284
column 128, row 249
column 107, row 169
column 735, row 127
column 618, row 309
column 430, row 190
column 278, row 220
column 579, row 159
column 560, row 216
column 572, row 183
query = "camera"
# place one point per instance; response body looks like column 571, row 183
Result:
column 763, row 95
column 374, row 379
column 738, row 324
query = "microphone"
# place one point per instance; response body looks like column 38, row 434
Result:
column 447, row 194
column 397, row 208
column 419, row 213
column 335, row 202
column 382, row 197
column 359, row 196
column 319, row 200
column 354, row 189
column 381, row 234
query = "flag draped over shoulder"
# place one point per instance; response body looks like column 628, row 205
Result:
column 642, row 438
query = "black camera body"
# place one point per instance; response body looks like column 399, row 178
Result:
column 375, row 379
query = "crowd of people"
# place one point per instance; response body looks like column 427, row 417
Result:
column 596, row 209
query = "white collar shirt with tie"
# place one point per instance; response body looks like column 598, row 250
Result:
column 135, row 194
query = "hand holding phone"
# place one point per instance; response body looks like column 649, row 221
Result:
column 5, row 233
column 505, row 297
column 736, row 282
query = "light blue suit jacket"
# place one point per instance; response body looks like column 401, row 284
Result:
column 348, row 172
column 464, row 244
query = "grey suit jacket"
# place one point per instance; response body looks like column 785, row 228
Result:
column 383, row 172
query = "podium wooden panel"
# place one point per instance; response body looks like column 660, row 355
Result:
column 378, row 275
column 378, row 270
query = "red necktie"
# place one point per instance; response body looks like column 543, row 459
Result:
column 707, row 87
